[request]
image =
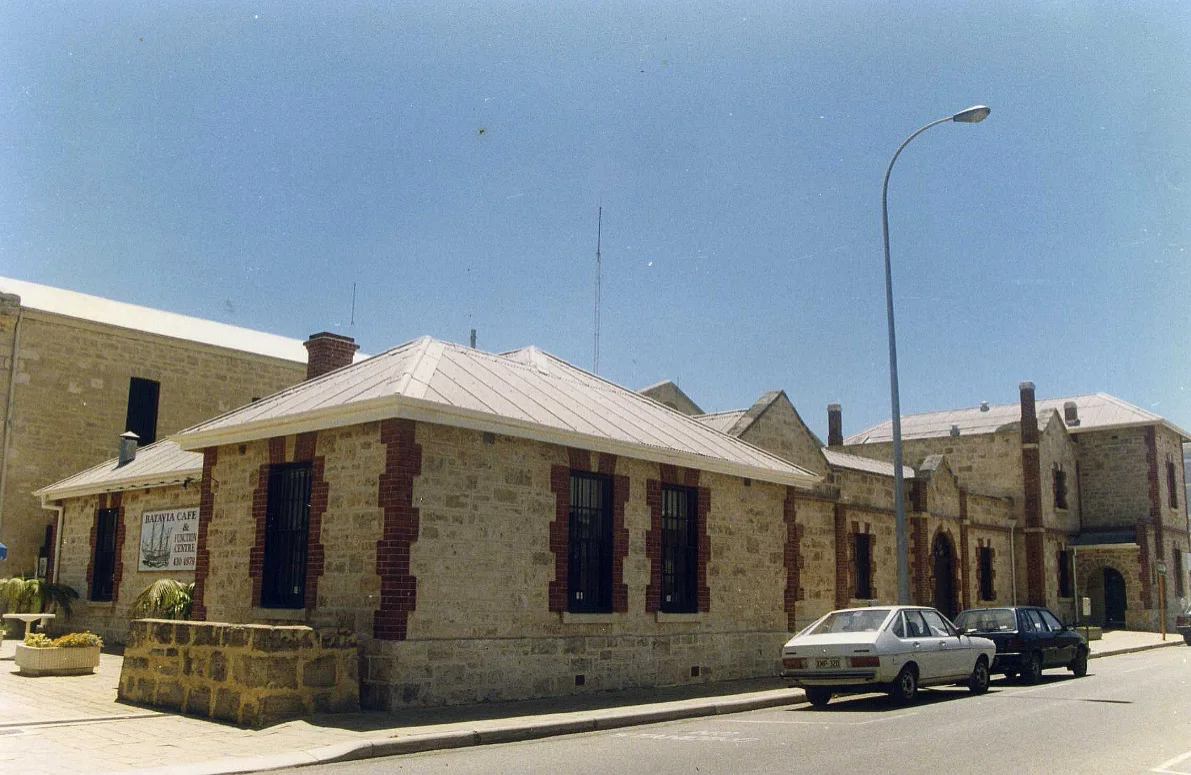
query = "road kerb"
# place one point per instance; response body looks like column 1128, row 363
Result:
column 1135, row 649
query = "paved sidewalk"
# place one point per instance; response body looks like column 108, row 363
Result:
column 74, row 724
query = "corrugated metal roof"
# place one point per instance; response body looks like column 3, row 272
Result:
column 838, row 459
column 721, row 421
column 526, row 393
column 153, row 321
column 1097, row 411
column 161, row 463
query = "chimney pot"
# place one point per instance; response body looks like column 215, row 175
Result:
column 835, row 425
column 1070, row 413
column 127, row 453
column 984, row 406
column 327, row 352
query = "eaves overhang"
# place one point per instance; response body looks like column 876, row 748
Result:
column 54, row 493
column 404, row 407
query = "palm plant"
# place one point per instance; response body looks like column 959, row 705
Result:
column 21, row 595
column 164, row 599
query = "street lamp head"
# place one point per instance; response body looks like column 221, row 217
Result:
column 972, row 115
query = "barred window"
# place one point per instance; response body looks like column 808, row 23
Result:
column 589, row 553
column 680, row 549
column 1065, row 574
column 103, row 563
column 1060, row 482
column 1172, row 485
column 862, row 557
column 985, row 563
column 287, row 524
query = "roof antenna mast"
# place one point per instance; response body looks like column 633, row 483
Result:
column 352, row 325
column 595, row 368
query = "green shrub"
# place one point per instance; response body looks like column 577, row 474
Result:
column 22, row 595
column 78, row 640
column 164, row 599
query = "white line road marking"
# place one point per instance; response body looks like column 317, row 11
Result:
column 691, row 737
column 1165, row 767
column 824, row 723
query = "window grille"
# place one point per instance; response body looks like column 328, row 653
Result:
column 1060, row 482
column 680, row 549
column 862, row 556
column 985, row 560
column 1065, row 574
column 287, row 523
column 589, row 555
column 103, row 564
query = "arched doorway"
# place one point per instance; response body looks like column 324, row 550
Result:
column 944, row 558
column 1114, row 598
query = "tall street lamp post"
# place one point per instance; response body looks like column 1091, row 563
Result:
column 972, row 115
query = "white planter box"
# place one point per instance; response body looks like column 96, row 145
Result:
column 57, row 661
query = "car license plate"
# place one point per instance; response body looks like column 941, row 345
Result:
column 827, row 664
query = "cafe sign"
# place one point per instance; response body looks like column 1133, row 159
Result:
column 169, row 540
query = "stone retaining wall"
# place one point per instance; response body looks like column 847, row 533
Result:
column 252, row 675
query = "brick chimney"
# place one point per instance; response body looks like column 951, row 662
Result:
column 835, row 425
column 327, row 352
column 1070, row 413
column 1029, row 414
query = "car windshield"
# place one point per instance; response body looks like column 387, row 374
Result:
column 867, row 620
column 986, row 620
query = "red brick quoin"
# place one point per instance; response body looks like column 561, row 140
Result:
column 398, row 588
column 202, row 558
column 685, row 477
column 560, row 485
column 792, row 559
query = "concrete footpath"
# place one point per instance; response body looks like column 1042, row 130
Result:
column 74, row 724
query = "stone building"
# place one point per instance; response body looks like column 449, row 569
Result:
column 1097, row 488
column 959, row 540
column 490, row 526
column 80, row 370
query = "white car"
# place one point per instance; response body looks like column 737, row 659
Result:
column 894, row 649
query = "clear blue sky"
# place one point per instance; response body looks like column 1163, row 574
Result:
column 248, row 162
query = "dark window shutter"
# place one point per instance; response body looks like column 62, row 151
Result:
column 142, row 409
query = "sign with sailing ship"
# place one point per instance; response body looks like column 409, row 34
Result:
column 169, row 540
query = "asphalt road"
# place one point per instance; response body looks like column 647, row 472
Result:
column 1131, row 714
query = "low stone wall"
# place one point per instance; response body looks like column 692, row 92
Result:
column 400, row 674
column 248, row 674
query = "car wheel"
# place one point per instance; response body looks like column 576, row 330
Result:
column 817, row 696
column 1079, row 665
column 1187, row 639
column 905, row 686
column 978, row 683
column 1032, row 670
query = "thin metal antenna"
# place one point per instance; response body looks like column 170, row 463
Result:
column 595, row 368
column 353, row 323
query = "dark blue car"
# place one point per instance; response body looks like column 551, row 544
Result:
column 1029, row 640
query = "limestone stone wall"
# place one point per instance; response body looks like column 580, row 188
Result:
column 1114, row 478
column 781, row 431
column 1169, row 448
column 246, row 674
column 483, row 559
column 988, row 463
column 348, row 586
column 861, row 488
column 110, row 619
column 817, row 577
column 1056, row 450
column 71, row 398
column 1090, row 565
